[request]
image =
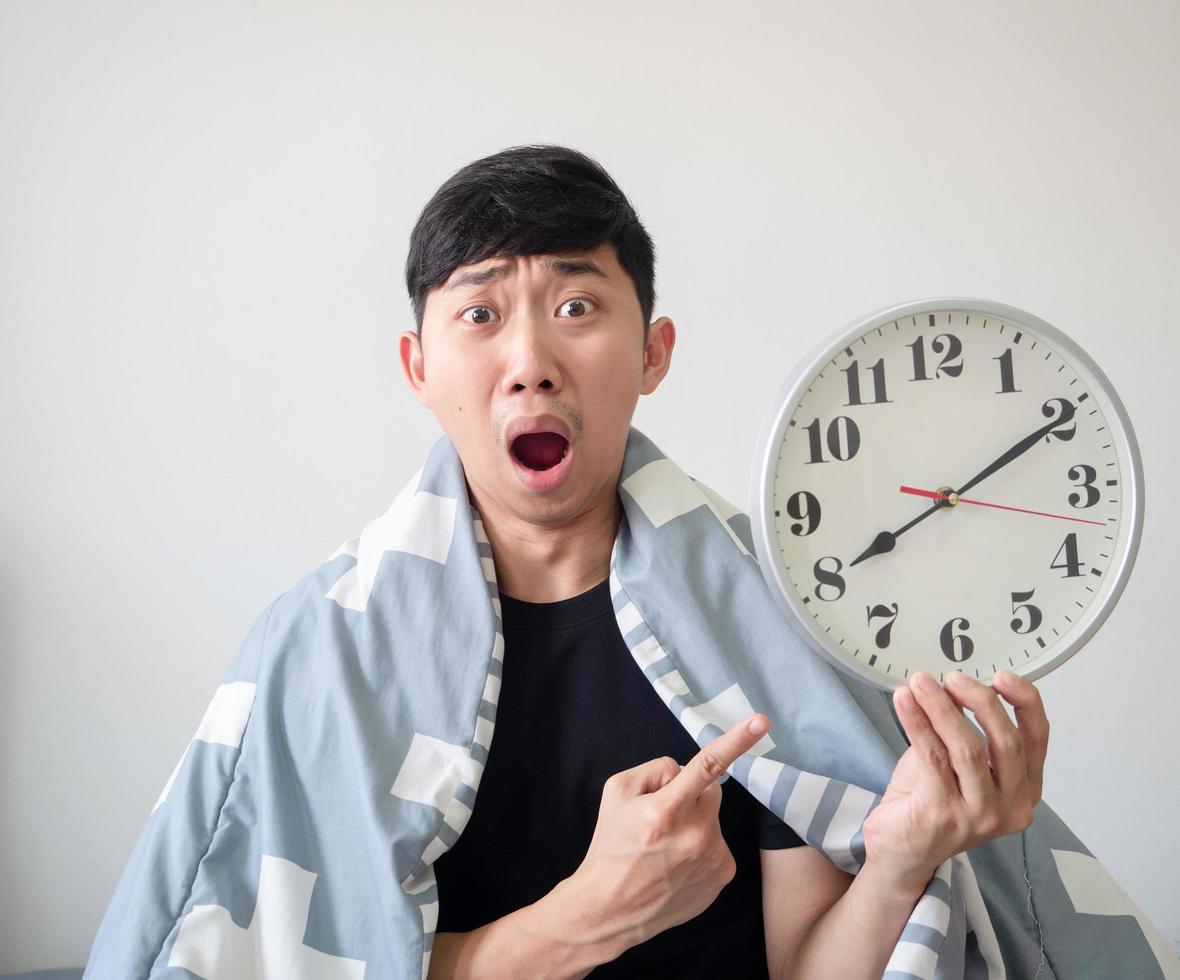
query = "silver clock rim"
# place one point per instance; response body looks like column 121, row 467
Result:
column 774, row 425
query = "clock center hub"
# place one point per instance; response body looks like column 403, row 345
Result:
column 949, row 497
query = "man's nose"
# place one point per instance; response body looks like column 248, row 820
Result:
column 532, row 358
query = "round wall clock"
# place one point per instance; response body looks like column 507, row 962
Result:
column 948, row 484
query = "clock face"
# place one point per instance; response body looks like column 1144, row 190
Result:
column 948, row 485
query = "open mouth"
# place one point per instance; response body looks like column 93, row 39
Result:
column 540, row 450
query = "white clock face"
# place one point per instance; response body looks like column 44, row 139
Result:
column 1008, row 575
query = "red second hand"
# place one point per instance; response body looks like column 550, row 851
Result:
column 963, row 500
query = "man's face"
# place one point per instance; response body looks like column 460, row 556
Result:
column 511, row 339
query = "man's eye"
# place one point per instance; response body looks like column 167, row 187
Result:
column 484, row 314
column 580, row 307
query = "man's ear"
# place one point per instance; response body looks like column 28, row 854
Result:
column 409, row 348
column 657, row 355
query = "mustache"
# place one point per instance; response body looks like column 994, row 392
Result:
column 565, row 410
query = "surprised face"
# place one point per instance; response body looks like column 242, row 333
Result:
column 533, row 366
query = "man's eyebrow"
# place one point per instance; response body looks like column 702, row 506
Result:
column 563, row 267
column 574, row 267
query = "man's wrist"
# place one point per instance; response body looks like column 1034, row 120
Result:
column 856, row 936
column 571, row 917
column 908, row 885
column 561, row 936
column 905, row 885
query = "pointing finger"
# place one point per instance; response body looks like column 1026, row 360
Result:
column 714, row 759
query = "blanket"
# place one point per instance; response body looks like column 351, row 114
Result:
column 342, row 754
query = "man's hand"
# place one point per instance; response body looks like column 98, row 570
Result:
column 657, row 857
column 951, row 791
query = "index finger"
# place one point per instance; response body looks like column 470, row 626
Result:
column 709, row 765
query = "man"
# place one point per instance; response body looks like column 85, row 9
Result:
column 532, row 284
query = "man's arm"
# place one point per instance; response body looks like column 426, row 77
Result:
column 657, row 858
column 823, row 922
column 950, row 791
column 555, row 938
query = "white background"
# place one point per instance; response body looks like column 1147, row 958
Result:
column 205, row 211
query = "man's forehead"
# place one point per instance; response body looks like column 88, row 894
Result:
column 598, row 263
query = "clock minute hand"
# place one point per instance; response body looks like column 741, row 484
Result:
column 886, row 540
column 1024, row 445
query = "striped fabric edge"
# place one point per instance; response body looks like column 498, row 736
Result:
column 422, row 884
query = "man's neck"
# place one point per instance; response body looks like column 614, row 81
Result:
column 547, row 564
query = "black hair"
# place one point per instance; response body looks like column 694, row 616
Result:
column 527, row 200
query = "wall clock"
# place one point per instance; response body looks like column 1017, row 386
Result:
column 947, row 484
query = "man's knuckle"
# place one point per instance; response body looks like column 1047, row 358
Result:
column 969, row 752
column 1009, row 741
column 935, row 755
column 990, row 822
column 711, row 764
column 655, row 818
column 655, row 827
column 700, row 840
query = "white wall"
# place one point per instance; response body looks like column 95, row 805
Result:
column 205, row 211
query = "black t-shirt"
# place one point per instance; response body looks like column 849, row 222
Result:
column 574, row 708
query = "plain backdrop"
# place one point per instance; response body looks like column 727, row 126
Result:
column 204, row 215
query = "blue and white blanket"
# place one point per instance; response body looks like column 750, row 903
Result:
column 296, row 837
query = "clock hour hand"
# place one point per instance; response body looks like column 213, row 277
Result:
column 886, row 540
column 882, row 543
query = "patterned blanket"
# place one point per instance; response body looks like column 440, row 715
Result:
column 296, row 837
